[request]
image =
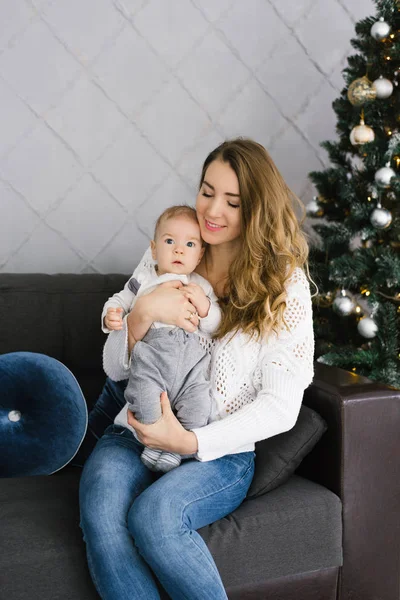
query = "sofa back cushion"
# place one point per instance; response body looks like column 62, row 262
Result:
column 57, row 315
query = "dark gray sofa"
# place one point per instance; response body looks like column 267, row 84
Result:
column 331, row 532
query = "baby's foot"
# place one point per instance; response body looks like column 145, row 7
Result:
column 168, row 461
column 149, row 457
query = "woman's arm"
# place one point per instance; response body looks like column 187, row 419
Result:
column 167, row 433
column 166, row 304
column 286, row 363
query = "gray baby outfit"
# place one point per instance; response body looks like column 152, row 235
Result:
column 171, row 360
column 167, row 359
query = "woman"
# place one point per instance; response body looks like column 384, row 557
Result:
column 261, row 362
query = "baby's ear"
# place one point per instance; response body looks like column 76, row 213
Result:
column 153, row 250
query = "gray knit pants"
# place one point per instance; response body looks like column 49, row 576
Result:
column 170, row 360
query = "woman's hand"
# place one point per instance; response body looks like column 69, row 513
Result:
column 166, row 304
column 166, row 433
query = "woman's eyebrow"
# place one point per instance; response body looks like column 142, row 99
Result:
column 226, row 193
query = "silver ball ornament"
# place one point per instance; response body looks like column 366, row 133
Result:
column 383, row 87
column 384, row 175
column 367, row 327
column 380, row 30
column 343, row 305
column 381, row 218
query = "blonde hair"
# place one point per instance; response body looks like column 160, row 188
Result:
column 175, row 211
column 272, row 243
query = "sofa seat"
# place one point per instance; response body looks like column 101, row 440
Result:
column 293, row 529
column 296, row 528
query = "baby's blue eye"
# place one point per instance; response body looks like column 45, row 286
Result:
column 190, row 244
column 169, row 241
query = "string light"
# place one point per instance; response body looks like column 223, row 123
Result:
column 358, row 309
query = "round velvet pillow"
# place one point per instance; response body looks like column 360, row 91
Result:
column 43, row 415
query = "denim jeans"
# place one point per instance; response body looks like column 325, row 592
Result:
column 133, row 519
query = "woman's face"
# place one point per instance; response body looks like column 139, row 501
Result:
column 217, row 204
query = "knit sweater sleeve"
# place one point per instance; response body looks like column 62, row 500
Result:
column 286, row 364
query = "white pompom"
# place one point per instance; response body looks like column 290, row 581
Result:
column 367, row 327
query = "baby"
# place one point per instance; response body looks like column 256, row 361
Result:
column 168, row 358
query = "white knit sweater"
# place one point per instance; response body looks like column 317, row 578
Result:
column 257, row 387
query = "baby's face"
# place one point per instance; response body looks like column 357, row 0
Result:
column 178, row 246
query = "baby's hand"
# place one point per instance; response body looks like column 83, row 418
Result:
column 113, row 319
column 197, row 297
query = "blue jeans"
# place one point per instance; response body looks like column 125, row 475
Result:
column 133, row 519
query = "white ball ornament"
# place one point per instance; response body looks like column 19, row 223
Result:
column 380, row 30
column 312, row 208
column 361, row 134
column 384, row 175
column 383, row 87
column 367, row 327
column 343, row 305
column 381, row 218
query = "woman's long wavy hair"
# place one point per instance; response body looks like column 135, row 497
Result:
column 272, row 242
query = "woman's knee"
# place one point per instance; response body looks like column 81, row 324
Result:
column 153, row 517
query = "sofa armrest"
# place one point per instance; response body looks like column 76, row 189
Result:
column 358, row 458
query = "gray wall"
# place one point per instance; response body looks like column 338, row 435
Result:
column 108, row 109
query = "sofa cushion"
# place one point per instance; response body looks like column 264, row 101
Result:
column 43, row 415
column 294, row 529
column 72, row 305
column 279, row 456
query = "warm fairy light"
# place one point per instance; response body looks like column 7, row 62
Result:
column 367, row 293
column 354, row 369
column 389, row 132
column 391, row 36
column 397, row 160
column 358, row 309
column 369, row 198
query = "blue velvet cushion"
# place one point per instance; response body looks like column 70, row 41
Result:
column 43, row 415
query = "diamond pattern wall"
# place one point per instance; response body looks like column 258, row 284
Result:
column 109, row 108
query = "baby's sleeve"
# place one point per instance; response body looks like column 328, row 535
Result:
column 210, row 323
column 126, row 297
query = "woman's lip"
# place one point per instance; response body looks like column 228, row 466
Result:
column 212, row 226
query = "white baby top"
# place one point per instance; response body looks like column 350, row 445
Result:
column 143, row 282
column 257, row 386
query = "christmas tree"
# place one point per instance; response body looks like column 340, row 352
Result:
column 356, row 263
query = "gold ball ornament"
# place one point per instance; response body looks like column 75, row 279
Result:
column 380, row 30
column 361, row 134
column 361, row 91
